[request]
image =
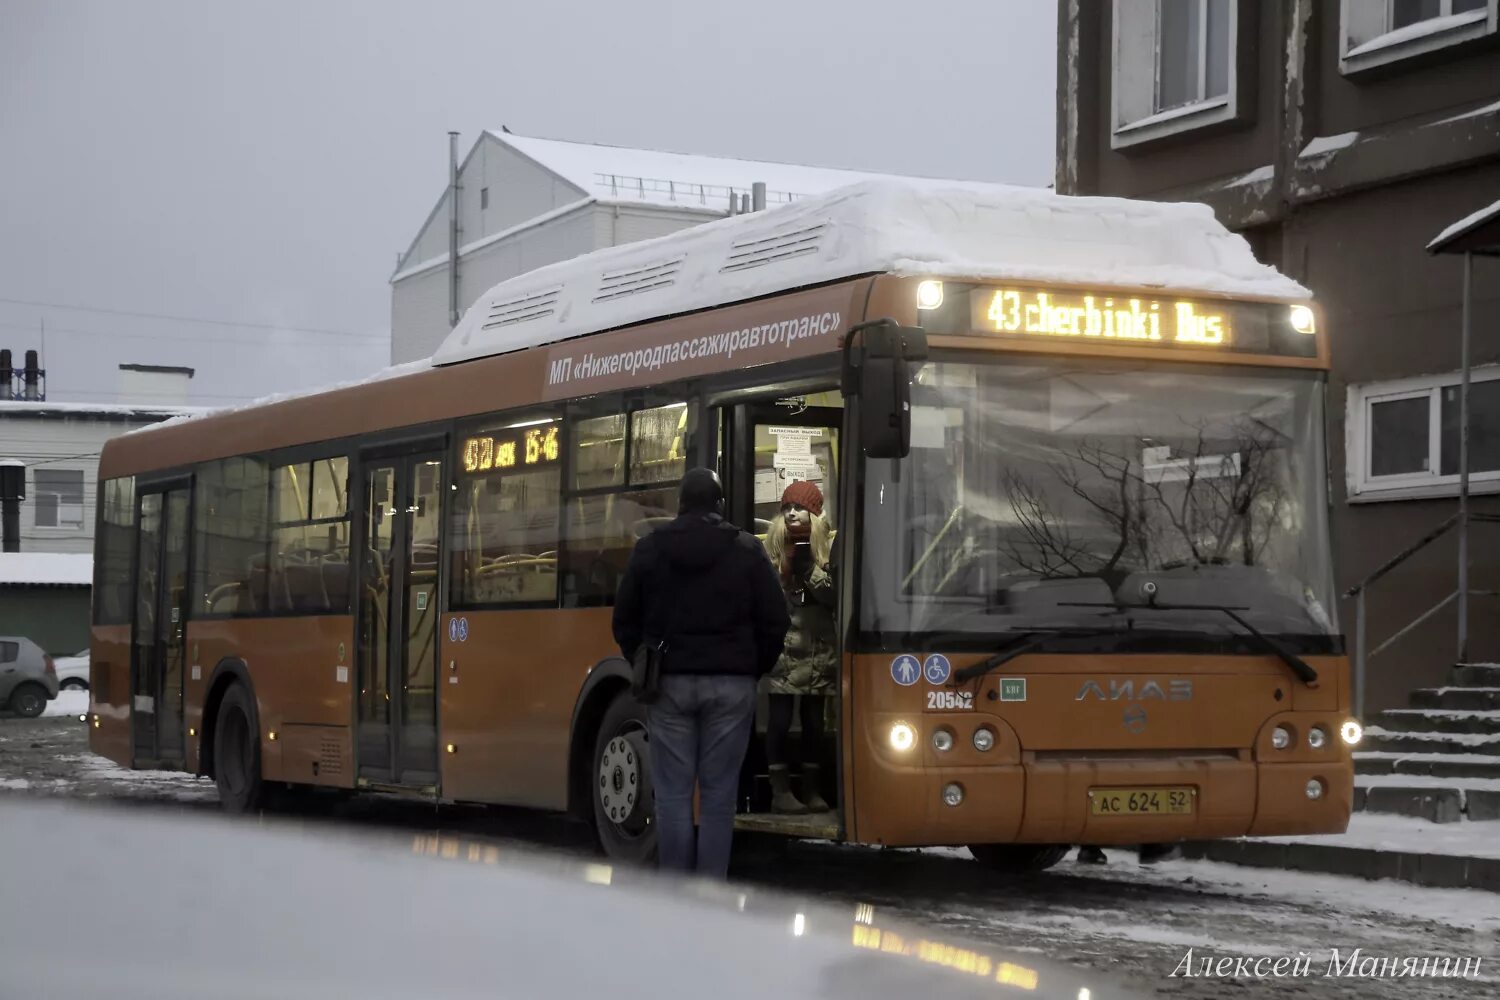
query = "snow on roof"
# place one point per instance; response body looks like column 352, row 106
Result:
column 619, row 173
column 1472, row 221
column 50, row 568
column 125, row 411
column 941, row 229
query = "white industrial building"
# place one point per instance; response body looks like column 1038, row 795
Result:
column 59, row 444
column 523, row 202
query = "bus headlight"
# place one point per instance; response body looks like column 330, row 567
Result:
column 903, row 737
column 984, row 739
column 1351, row 732
column 1316, row 738
column 942, row 740
column 1281, row 737
column 929, row 294
column 1302, row 320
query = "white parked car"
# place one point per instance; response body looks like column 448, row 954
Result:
column 73, row 671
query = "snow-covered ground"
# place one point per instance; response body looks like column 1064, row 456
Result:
column 1133, row 922
column 74, row 703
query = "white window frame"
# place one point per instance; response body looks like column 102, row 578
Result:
column 1381, row 45
column 62, row 526
column 1365, row 488
column 1134, row 62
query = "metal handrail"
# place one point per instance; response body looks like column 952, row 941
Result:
column 1358, row 591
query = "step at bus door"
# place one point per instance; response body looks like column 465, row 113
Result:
column 159, row 631
column 396, row 716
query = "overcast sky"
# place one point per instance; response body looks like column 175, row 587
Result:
column 264, row 162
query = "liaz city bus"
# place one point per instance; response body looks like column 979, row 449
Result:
column 1073, row 455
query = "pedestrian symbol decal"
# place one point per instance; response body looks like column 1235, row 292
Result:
column 458, row 629
column 905, row 669
column 937, row 669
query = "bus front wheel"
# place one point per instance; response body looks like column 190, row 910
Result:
column 1016, row 858
column 237, row 752
column 624, row 805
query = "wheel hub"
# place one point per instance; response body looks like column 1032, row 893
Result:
column 624, row 791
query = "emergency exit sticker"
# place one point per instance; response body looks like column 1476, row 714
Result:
column 1012, row 689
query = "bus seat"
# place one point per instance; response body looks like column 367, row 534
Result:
column 336, row 583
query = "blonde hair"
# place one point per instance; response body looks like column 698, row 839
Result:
column 822, row 541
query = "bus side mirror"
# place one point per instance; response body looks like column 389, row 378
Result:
column 877, row 359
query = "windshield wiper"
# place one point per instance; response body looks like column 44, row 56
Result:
column 1299, row 666
column 1026, row 642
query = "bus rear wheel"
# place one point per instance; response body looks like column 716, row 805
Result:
column 624, row 806
column 1017, row 858
column 237, row 752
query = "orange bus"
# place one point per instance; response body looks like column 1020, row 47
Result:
column 1073, row 455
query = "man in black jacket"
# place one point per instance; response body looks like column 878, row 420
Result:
column 707, row 589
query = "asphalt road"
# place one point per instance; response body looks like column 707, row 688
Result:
column 1137, row 922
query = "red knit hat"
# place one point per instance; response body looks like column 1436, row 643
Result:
column 805, row 495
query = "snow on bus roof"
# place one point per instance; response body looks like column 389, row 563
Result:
column 941, row 229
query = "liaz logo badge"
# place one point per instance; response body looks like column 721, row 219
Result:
column 1178, row 690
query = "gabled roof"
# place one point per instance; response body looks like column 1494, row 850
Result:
column 620, row 173
column 940, row 229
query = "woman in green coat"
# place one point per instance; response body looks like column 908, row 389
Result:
column 799, row 543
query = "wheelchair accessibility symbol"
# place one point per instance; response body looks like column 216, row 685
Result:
column 458, row 629
column 905, row 670
column 937, row 669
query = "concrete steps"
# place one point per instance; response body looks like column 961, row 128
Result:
column 1438, row 760
column 1479, row 699
column 1477, row 675
column 1440, row 720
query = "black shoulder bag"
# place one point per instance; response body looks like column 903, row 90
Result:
column 645, row 666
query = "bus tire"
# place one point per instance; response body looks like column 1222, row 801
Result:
column 620, row 783
column 1017, row 858
column 237, row 752
column 28, row 700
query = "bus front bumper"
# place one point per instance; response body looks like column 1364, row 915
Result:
column 1070, row 802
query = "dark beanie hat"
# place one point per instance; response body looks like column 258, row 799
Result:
column 805, row 495
column 701, row 492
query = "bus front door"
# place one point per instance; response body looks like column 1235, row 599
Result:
column 401, row 520
column 158, row 641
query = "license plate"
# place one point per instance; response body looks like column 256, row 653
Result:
column 1141, row 801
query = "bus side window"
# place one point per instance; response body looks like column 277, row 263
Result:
column 232, row 531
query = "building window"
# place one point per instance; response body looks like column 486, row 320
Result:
column 1379, row 32
column 57, row 498
column 1174, row 67
column 1404, row 436
column 484, row 198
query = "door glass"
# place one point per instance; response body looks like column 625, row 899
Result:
column 418, row 737
column 375, row 616
column 143, row 702
column 171, row 622
column 800, row 447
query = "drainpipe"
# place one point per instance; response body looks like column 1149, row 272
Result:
column 1463, row 464
column 452, row 229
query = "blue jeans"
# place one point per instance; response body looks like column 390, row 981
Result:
column 699, row 729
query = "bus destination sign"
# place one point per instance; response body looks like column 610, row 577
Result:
column 1035, row 313
column 517, row 448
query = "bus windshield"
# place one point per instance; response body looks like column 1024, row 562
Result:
column 1044, row 494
